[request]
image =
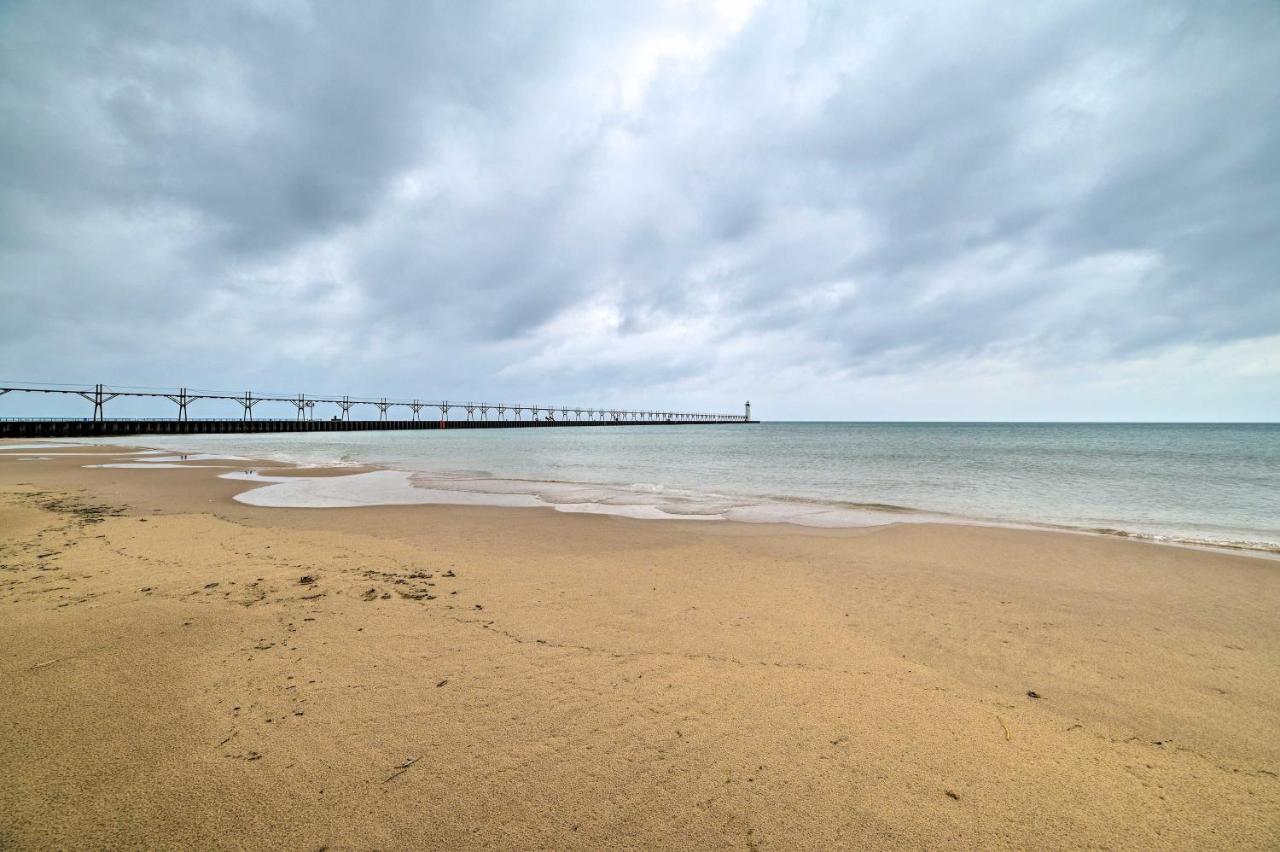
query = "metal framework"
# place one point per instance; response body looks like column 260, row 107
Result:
column 99, row 395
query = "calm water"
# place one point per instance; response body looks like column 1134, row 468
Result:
column 1196, row 482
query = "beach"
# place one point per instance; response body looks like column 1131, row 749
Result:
column 181, row 670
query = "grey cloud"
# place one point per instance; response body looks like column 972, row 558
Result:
column 326, row 190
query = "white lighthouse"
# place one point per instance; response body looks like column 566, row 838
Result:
column 747, row 419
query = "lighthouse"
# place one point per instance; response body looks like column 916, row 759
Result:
column 747, row 419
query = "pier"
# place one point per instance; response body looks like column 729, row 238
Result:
column 422, row 415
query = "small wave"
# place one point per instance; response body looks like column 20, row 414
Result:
column 1184, row 540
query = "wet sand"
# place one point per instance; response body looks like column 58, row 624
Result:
column 182, row 671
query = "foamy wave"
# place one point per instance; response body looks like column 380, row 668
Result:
column 398, row 488
column 1184, row 540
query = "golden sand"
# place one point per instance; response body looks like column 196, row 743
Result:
column 181, row 671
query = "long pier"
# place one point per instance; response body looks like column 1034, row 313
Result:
column 470, row 415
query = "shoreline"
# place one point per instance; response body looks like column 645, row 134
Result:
column 426, row 488
column 184, row 670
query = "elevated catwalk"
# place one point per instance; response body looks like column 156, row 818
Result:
column 107, row 428
column 469, row 415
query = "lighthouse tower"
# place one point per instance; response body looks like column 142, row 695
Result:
column 747, row 419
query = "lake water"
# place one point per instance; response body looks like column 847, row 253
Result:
column 1199, row 483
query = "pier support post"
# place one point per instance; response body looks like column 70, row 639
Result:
column 345, row 404
column 182, row 400
column 99, row 397
column 247, row 403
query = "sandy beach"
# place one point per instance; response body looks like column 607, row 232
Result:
column 182, row 671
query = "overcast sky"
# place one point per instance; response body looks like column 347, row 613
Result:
column 841, row 211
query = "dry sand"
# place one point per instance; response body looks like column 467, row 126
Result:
column 181, row 671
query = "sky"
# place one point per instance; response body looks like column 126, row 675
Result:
column 844, row 211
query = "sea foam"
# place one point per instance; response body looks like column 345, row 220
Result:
column 401, row 488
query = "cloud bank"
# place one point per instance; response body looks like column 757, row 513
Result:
column 861, row 211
